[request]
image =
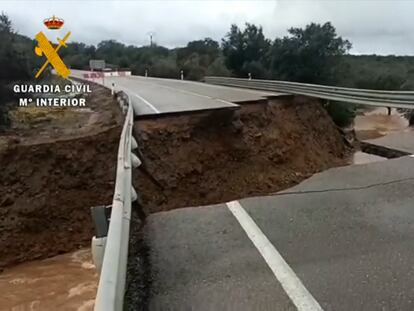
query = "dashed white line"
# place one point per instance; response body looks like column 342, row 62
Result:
column 297, row 292
column 411, row 155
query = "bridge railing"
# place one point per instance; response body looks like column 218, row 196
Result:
column 400, row 99
column 111, row 288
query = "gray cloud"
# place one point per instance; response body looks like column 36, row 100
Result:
column 373, row 26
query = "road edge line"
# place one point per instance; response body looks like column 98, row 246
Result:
column 146, row 102
column 297, row 292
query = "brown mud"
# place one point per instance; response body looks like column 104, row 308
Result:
column 55, row 165
column 63, row 282
column 376, row 123
column 213, row 157
column 216, row 157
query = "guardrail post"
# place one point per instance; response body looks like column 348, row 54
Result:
column 182, row 74
column 135, row 161
column 250, row 76
column 98, row 252
column 100, row 216
column 146, row 73
column 134, row 195
column 134, row 144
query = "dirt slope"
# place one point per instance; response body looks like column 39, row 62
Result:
column 54, row 167
column 53, row 171
column 217, row 157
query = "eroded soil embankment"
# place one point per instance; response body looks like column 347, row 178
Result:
column 214, row 157
column 47, row 190
column 55, row 164
column 219, row 156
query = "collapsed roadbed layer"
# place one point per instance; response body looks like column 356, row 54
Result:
column 215, row 157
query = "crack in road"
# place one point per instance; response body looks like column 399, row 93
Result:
column 343, row 189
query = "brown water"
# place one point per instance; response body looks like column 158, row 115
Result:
column 65, row 282
column 376, row 123
column 69, row 281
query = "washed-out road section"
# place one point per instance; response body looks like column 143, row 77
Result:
column 344, row 236
column 401, row 141
column 341, row 240
column 154, row 96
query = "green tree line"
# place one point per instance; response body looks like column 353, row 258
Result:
column 313, row 54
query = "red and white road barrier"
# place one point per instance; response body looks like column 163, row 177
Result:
column 99, row 75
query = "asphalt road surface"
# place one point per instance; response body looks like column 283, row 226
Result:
column 402, row 141
column 341, row 240
column 152, row 96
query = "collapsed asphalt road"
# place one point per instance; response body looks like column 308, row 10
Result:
column 156, row 96
column 343, row 238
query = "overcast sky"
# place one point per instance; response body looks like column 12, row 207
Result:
column 373, row 26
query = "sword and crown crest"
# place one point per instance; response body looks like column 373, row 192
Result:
column 45, row 48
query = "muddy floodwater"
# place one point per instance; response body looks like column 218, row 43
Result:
column 373, row 124
column 64, row 282
column 69, row 281
column 377, row 123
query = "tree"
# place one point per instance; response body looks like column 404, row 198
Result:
column 382, row 82
column 13, row 66
column 77, row 55
column 246, row 49
column 197, row 57
column 207, row 47
column 218, row 68
column 12, row 63
column 308, row 55
column 5, row 24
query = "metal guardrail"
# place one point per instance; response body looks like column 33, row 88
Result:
column 399, row 99
column 111, row 288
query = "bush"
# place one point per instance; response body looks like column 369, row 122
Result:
column 165, row 68
column 256, row 69
column 218, row 68
column 342, row 114
column 384, row 82
column 5, row 96
column 4, row 117
column 408, row 85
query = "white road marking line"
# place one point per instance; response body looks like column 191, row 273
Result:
column 411, row 155
column 146, row 102
column 297, row 292
column 128, row 91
